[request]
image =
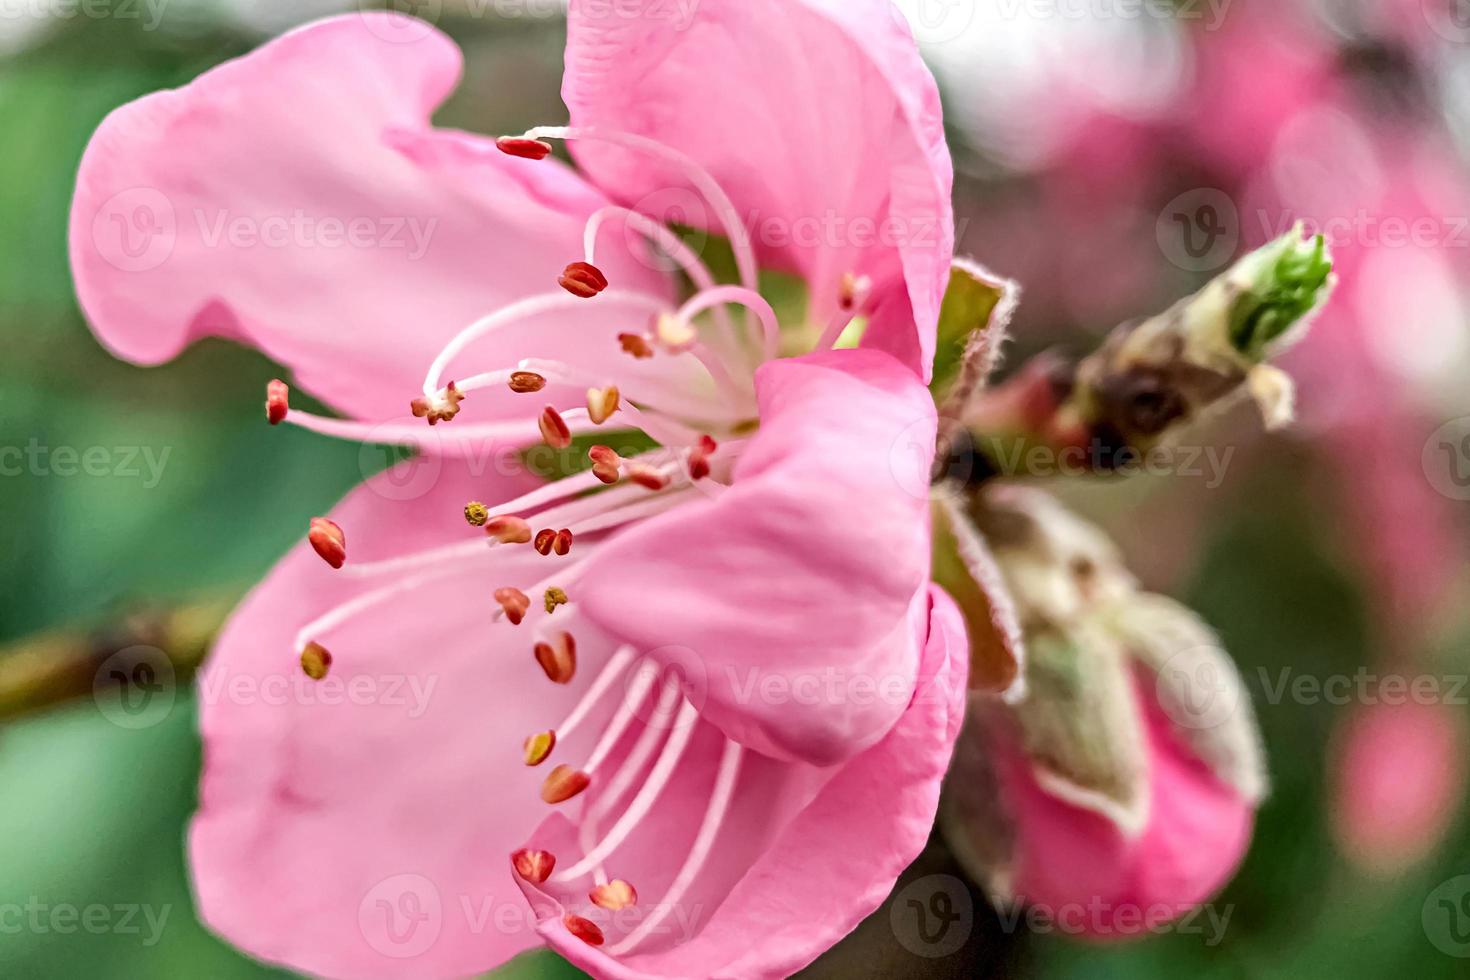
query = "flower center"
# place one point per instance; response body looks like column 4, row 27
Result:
column 556, row 527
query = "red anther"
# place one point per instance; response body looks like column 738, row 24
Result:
column 514, row 602
column 606, row 464
column 558, row 658
column 277, row 401
column 545, row 540
column 614, row 895
column 584, row 929
column 315, row 661
column 647, row 476
column 328, row 540
column 538, row 747
column 525, row 382
column 583, row 279
column 440, row 408
column 519, row 146
column 534, row 866
column 853, row 291
column 508, row 530
column 636, row 344
column 699, row 457
column 554, row 429
column 562, row 543
column 563, row 783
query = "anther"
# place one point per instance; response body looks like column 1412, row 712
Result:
column 584, row 929
column 534, row 866
column 554, row 429
column 614, row 896
column 699, row 457
column 508, row 530
column 674, row 333
column 538, row 747
column 438, row 408
column 602, row 403
column 328, row 541
column 517, row 146
column 647, row 476
column 548, row 541
column 636, row 344
column 525, row 382
column 555, row 597
column 514, row 602
column 315, row 661
column 476, row 513
column 563, row 783
column 853, row 291
column 606, row 463
column 583, row 279
column 558, row 658
column 277, row 401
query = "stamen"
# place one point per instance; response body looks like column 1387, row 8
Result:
column 637, row 690
column 699, row 467
column 340, row 614
column 584, row 929
column 508, row 529
column 647, row 476
column 706, row 184
column 514, row 602
column 525, row 309
column 583, row 280
column 537, row 747
column 853, row 295
column 548, row 541
column 558, row 658
column 534, row 866
column 741, row 296
column 277, row 401
column 476, row 513
column 555, row 597
column 441, row 406
column 614, row 895
column 704, row 841
column 328, row 541
column 315, row 661
column 554, row 429
column 674, row 334
column 526, row 382
column 662, row 427
column 527, row 149
column 474, row 437
column 605, row 463
column 601, row 403
column 663, row 770
column 563, row 783
column 616, row 664
column 636, row 344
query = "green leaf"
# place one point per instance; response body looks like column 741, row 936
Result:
column 968, row 312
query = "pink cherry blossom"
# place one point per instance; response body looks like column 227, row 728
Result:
column 747, row 673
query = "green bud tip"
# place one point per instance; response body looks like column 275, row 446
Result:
column 1291, row 278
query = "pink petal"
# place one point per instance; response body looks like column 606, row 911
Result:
column 781, row 886
column 1078, row 866
column 818, row 118
column 237, row 194
column 1399, row 783
column 359, row 826
column 797, row 598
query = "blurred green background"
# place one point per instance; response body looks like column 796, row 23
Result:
column 191, row 499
